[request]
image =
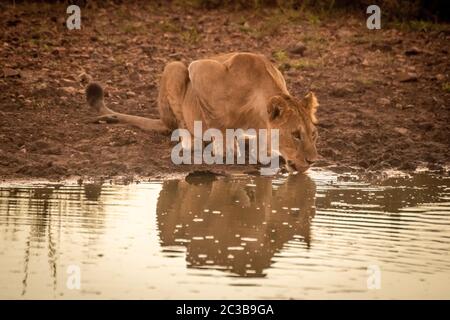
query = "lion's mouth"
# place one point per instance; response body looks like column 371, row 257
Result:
column 292, row 167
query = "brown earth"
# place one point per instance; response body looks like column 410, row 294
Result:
column 384, row 94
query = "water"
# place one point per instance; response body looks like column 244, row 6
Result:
column 317, row 236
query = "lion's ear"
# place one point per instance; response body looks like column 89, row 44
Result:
column 311, row 104
column 275, row 107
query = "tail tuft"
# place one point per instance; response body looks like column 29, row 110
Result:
column 94, row 95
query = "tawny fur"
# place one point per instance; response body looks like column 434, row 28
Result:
column 235, row 90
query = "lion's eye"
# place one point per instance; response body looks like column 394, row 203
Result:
column 297, row 135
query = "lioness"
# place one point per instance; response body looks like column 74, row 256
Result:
column 229, row 91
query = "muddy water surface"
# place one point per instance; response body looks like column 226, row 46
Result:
column 317, row 236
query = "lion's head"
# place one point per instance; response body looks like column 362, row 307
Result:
column 296, row 121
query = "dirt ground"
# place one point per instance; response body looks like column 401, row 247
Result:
column 384, row 94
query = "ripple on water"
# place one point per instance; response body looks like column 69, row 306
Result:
column 292, row 237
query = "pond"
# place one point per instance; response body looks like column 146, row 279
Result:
column 321, row 235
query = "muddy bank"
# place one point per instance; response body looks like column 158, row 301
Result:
column 384, row 94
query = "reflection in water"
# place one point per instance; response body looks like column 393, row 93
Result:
column 389, row 195
column 41, row 209
column 236, row 224
column 219, row 237
column 92, row 191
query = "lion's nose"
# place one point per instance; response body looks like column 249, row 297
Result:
column 311, row 157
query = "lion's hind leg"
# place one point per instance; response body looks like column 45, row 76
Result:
column 174, row 81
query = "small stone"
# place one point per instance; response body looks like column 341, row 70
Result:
column 412, row 51
column 426, row 126
column 39, row 145
column 55, row 150
column 8, row 72
column 124, row 139
column 407, row 77
column 340, row 92
column 402, row 131
column 13, row 22
column 58, row 51
column 175, row 55
column 69, row 90
column 384, row 101
column 440, row 77
column 298, row 48
column 363, row 164
column 292, row 73
column 67, row 82
column 384, row 47
column 135, row 76
column 409, row 165
column 353, row 60
column 84, row 78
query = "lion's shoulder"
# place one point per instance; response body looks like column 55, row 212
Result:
column 238, row 67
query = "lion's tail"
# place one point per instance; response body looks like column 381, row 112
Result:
column 95, row 99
